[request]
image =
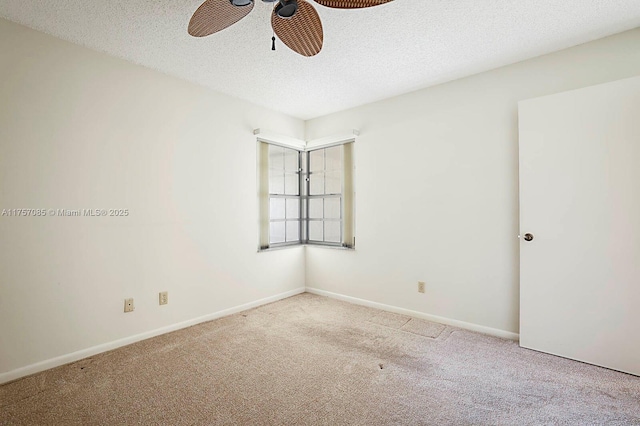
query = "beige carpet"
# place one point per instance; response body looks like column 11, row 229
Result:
column 310, row 360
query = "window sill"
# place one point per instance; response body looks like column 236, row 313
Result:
column 306, row 245
column 331, row 247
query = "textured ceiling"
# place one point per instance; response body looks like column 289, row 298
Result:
column 368, row 55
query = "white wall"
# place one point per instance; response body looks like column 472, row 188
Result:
column 79, row 129
column 437, row 187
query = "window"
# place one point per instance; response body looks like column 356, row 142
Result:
column 306, row 197
column 285, row 174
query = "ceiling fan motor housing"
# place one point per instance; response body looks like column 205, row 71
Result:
column 287, row 8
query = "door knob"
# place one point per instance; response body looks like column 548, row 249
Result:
column 528, row 237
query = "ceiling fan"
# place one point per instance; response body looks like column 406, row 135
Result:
column 296, row 22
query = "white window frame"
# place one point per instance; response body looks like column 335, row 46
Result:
column 347, row 195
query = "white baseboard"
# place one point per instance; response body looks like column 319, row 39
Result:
column 455, row 323
column 76, row 356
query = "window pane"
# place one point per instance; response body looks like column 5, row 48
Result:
column 315, row 230
column 332, row 231
column 291, row 184
column 276, row 232
column 316, row 158
column 276, row 208
column 293, row 230
column 293, row 209
column 333, row 183
column 316, row 184
column 315, row 208
column 332, row 208
column 291, row 160
column 333, row 158
column 276, row 182
column 276, row 157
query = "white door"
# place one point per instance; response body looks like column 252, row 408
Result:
column 580, row 201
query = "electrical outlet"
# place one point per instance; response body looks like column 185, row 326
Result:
column 420, row 286
column 128, row 305
column 163, row 297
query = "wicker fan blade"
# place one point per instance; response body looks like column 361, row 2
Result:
column 216, row 15
column 302, row 33
column 351, row 4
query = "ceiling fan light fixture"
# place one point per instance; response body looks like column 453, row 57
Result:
column 241, row 3
column 287, row 8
